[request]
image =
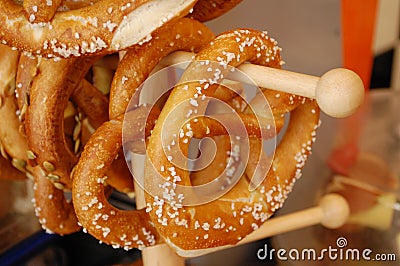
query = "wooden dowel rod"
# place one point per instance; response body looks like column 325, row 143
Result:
column 332, row 212
column 286, row 223
column 162, row 254
column 137, row 162
column 282, row 80
column 339, row 92
column 261, row 76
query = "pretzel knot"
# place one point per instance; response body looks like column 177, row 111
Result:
column 254, row 184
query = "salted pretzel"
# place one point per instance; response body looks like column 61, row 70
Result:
column 128, row 229
column 49, row 85
column 40, row 11
column 189, row 230
column 55, row 214
column 222, row 143
column 45, row 115
column 104, row 27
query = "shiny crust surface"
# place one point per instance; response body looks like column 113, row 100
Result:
column 226, row 220
column 206, row 10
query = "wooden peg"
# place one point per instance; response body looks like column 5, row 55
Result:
column 339, row 92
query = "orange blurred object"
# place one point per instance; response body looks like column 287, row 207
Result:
column 358, row 27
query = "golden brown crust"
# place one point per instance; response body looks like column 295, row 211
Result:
column 60, row 110
column 103, row 27
column 279, row 104
column 49, row 88
column 55, row 213
column 57, row 155
column 27, row 70
column 91, row 102
column 45, row 115
column 52, row 85
column 46, row 87
column 189, row 36
column 206, row 10
column 43, row 11
column 226, row 220
column 127, row 229
column 37, row 11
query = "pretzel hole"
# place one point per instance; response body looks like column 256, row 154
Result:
column 200, row 151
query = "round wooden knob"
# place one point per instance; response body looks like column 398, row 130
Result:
column 335, row 210
column 339, row 92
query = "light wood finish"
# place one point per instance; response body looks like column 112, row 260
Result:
column 339, row 92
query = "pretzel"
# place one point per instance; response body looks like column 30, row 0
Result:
column 56, row 104
column 104, row 27
column 13, row 145
column 205, row 10
column 49, row 85
column 128, row 229
column 190, row 230
column 55, row 214
column 45, row 115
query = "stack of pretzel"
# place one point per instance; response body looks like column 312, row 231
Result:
column 69, row 72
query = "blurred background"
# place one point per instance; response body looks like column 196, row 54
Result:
column 311, row 35
column 316, row 35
